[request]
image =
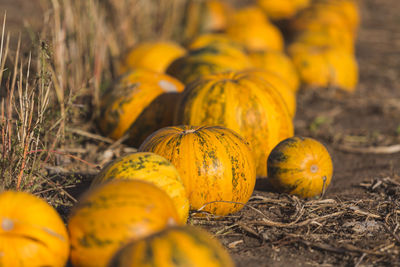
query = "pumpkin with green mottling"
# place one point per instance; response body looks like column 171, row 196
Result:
column 32, row 233
column 213, row 58
column 242, row 101
column 279, row 63
column 210, row 39
column 151, row 168
column 300, row 166
column 325, row 66
column 216, row 165
column 112, row 214
column 174, row 247
column 139, row 103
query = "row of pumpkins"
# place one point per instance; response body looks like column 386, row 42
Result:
column 240, row 79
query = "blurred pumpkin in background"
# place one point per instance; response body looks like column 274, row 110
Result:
column 282, row 9
column 154, row 56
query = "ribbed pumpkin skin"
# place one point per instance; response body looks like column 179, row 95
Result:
column 31, row 232
column 215, row 164
column 299, row 166
column 282, row 9
column 154, row 56
column 113, row 214
column 243, row 102
column 174, row 247
column 207, row 60
column 151, row 168
column 278, row 83
column 279, row 63
column 253, row 30
column 141, row 101
column 325, row 66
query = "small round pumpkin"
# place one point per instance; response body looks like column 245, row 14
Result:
column 242, row 101
column 112, row 214
column 174, row 247
column 300, row 166
column 31, row 232
column 326, row 35
column 206, row 16
column 282, row 9
column 315, row 16
column 210, row 39
column 279, row 63
column 140, row 102
column 321, row 66
column 251, row 28
column 215, row 58
column 215, row 163
column 151, row 168
column 154, row 56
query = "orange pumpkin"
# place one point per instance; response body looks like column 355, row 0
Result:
column 111, row 215
column 139, row 103
column 215, row 58
column 175, row 246
column 300, row 166
column 243, row 102
column 31, row 232
column 279, row 63
column 154, row 56
column 325, row 66
column 250, row 27
column 282, row 9
column 215, row 163
column 151, row 168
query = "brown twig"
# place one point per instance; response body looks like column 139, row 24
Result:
column 370, row 150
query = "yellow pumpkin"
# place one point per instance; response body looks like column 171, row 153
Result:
column 210, row 39
column 282, row 9
column 111, row 215
column 214, row 58
column 300, row 166
column 151, row 168
column 154, row 56
column 139, row 103
column 325, row 66
column 317, row 16
column 206, row 16
column 175, row 246
column 349, row 9
column 215, row 163
column 31, row 232
column 327, row 36
column 278, row 83
column 243, row 102
column 251, row 28
column 279, row 63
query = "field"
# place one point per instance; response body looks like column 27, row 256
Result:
column 355, row 224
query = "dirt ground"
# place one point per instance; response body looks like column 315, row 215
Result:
column 357, row 222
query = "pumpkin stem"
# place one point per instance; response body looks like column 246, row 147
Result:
column 189, row 131
column 7, row 224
